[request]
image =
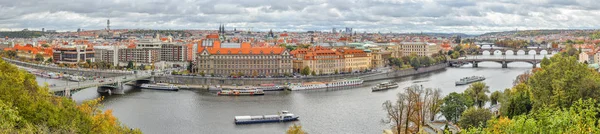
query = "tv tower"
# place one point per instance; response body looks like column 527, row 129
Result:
column 108, row 25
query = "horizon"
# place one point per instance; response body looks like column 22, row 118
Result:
column 428, row 16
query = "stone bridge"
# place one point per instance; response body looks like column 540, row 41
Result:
column 527, row 51
column 503, row 62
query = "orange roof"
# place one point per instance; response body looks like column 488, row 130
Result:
column 245, row 48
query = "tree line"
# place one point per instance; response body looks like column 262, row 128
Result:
column 415, row 61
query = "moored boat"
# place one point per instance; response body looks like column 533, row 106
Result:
column 384, row 86
column 160, row 86
column 321, row 85
column 248, row 92
column 468, row 80
column 270, row 87
column 284, row 116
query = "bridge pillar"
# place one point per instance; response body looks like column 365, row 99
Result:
column 504, row 53
column 119, row 89
column 475, row 64
column 534, row 65
column 504, row 64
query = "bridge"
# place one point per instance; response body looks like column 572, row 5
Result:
column 527, row 51
column 68, row 88
column 503, row 61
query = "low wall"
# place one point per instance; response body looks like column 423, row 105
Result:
column 198, row 80
column 84, row 72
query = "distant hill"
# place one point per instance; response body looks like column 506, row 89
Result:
column 529, row 33
column 441, row 34
column 21, row 34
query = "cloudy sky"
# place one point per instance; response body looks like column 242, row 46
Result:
column 398, row 16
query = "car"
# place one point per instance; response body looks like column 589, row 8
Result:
column 101, row 81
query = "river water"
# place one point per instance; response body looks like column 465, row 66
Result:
column 345, row 110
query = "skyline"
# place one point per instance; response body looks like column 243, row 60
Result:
column 400, row 16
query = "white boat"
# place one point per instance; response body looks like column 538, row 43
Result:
column 468, row 80
column 160, row 86
column 284, row 116
column 249, row 92
column 270, row 87
column 384, row 86
column 76, row 78
column 320, row 85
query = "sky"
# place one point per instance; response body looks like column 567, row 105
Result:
column 397, row 16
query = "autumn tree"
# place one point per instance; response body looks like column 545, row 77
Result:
column 39, row 57
column 295, row 129
column 395, row 112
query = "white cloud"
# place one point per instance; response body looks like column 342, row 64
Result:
column 468, row 16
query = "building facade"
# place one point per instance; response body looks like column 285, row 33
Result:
column 107, row 54
column 419, row 48
column 73, row 54
column 319, row 59
column 244, row 61
column 355, row 60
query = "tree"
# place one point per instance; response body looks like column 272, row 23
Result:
column 414, row 62
column 202, row 73
column 313, row 73
column 395, row 112
column 39, row 57
column 494, row 97
column 190, row 66
column 336, row 71
column 130, row 65
column 453, row 106
column 50, row 60
column 476, row 92
column 26, row 107
column 434, row 103
column 563, row 81
column 305, row 71
column 516, row 101
column 45, row 45
column 254, row 73
column 295, row 129
column 240, row 74
column 474, row 117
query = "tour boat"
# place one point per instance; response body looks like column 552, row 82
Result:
column 320, row 85
column 160, row 86
column 468, row 80
column 76, row 78
column 384, row 86
column 284, row 116
column 249, row 92
column 270, row 87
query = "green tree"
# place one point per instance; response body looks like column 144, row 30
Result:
column 39, row 57
column 474, row 117
column 45, row 45
column 562, row 82
column 476, row 92
column 202, row 73
column 305, row 71
column 494, row 97
column 190, row 66
column 453, row 106
column 50, row 60
column 336, row 71
column 130, row 65
column 313, row 73
column 414, row 62
column 516, row 101
column 295, row 129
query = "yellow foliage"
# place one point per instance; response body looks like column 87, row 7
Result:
column 295, row 129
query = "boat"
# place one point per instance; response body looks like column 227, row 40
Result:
column 247, row 92
column 284, row 116
column 270, row 87
column 468, row 80
column 321, row 85
column 160, row 86
column 384, row 86
column 76, row 78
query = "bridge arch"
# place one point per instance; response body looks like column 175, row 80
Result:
column 544, row 52
column 510, row 52
column 532, row 52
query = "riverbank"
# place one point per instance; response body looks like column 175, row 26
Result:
column 381, row 75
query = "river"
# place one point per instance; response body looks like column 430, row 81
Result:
column 346, row 110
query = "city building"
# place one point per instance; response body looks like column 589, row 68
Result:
column 419, row 48
column 243, row 61
column 355, row 60
column 107, row 54
column 29, row 51
column 319, row 59
column 73, row 54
